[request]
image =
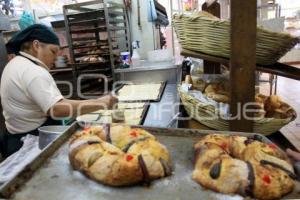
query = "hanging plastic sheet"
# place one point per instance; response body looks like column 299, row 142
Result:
column 152, row 15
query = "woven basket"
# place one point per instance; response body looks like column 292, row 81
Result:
column 202, row 32
column 202, row 111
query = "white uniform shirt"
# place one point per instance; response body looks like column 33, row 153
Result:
column 28, row 91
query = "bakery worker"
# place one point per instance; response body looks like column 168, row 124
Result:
column 295, row 155
column 29, row 95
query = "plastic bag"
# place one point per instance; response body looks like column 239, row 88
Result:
column 26, row 20
column 152, row 15
column 17, row 161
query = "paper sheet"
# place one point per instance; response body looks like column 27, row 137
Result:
column 222, row 108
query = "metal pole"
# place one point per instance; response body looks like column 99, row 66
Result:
column 172, row 28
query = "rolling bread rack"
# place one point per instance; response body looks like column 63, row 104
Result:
column 97, row 31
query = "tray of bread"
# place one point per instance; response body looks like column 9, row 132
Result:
column 140, row 92
column 117, row 161
column 131, row 113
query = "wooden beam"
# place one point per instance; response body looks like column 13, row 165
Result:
column 209, row 66
column 243, row 61
column 279, row 69
column 196, row 54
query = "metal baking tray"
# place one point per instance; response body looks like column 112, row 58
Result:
column 50, row 176
column 90, row 46
column 160, row 93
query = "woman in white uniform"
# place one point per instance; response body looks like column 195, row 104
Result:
column 29, row 95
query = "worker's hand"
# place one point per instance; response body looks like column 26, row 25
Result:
column 293, row 154
column 109, row 101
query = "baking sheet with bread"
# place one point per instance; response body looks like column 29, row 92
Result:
column 140, row 92
column 133, row 114
column 119, row 155
column 60, row 181
column 243, row 165
column 229, row 164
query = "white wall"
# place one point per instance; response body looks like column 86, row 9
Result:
column 145, row 34
column 291, row 56
column 289, row 7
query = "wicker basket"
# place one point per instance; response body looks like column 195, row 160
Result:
column 202, row 32
column 209, row 115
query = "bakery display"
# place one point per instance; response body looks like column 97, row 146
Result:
column 91, row 51
column 118, row 155
column 217, row 92
column 273, row 107
column 266, row 106
column 91, row 58
column 241, row 165
column 140, row 92
column 214, row 40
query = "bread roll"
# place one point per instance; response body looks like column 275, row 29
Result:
column 188, row 79
column 273, row 102
column 119, row 155
column 240, row 165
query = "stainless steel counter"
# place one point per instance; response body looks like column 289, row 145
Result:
column 149, row 66
column 161, row 113
column 151, row 72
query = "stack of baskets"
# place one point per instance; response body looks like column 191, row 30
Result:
column 202, row 32
column 209, row 115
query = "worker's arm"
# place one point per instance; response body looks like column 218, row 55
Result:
column 293, row 154
column 72, row 108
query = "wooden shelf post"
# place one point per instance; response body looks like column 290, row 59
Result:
column 209, row 66
column 242, row 62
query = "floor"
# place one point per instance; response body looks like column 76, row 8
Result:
column 289, row 91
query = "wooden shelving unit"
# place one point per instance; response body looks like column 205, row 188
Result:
column 242, row 61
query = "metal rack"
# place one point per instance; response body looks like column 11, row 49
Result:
column 97, row 31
